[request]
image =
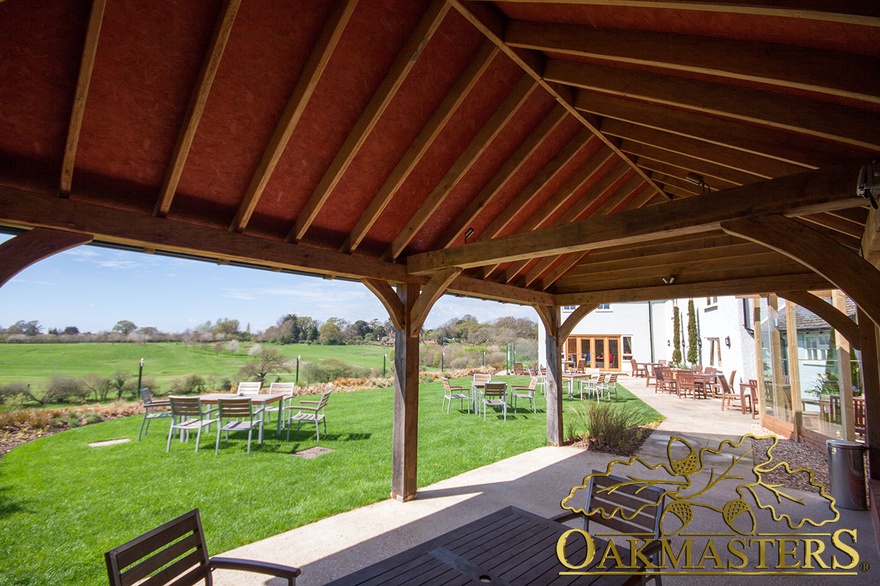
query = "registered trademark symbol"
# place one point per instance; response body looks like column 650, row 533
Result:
column 864, row 566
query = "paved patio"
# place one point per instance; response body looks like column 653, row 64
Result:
column 535, row 481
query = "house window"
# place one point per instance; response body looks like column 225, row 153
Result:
column 711, row 303
column 604, row 307
column 627, row 347
column 815, row 345
column 569, row 308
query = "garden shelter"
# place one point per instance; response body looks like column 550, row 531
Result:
column 548, row 154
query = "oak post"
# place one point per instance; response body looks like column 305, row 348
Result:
column 406, row 400
column 844, row 372
column 871, row 391
column 550, row 316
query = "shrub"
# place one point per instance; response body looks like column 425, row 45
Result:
column 15, row 394
column 188, row 385
column 92, row 417
column 98, row 385
column 331, row 369
column 63, row 388
column 609, row 426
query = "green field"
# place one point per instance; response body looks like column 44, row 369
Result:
column 35, row 363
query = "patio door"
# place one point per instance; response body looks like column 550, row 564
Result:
column 602, row 352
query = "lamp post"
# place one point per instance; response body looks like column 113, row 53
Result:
column 140, row 375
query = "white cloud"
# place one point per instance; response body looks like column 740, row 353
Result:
column 117, row 264
column 32, row 282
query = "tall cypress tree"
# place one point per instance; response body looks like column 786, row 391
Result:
column 693, row 335
column 676, row 336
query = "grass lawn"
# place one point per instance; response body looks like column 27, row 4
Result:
column 63, row 503
column 35, row 363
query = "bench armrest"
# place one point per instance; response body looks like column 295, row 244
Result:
column 565, row 517
column 287, row 572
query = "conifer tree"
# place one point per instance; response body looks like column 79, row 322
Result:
column 693, row 335
column 676, row 336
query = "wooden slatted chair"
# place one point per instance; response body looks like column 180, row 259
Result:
column 728, row 397
column 859, row 416
column 249, row 388
column 152, row 410
column 494, row 395
column 605, row 388
column 308, row 411
column 541, row 373
column 651, row 373
column 589, row 387
column 526, row 393
column 451, row 393
column 240, row 415
column 188, row 414
column 638, row 369
column 684, row 380
column 479, row 379
column 661, row 384
column 629, row 497
column 752, row 397
column 278, row 388
column 176, row 553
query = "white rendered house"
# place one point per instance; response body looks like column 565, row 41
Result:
column 614, row 334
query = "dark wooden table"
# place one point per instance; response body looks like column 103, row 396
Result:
column 510, row 546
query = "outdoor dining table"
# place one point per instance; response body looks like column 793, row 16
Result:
column 573, row 375
column 510, row 546
column 259, row 400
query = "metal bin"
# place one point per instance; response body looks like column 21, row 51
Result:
column 846, row 470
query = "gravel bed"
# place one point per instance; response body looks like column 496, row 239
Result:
column 798, row 456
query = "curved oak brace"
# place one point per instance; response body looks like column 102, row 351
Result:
column 388, row 296
column 549, row 315
column 576, row 316
column 844, row 268
column 431, row 292
column 29, row 247
column 838, row 320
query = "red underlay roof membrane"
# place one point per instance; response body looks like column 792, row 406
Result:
column 376, row 131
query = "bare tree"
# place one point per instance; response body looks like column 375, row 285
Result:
column 266, row 361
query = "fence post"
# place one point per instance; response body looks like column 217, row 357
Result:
column 384, row 360
column 296, row 382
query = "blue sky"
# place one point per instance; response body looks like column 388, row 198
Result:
column 92, row 288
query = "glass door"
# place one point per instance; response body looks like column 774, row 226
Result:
column 612, row 361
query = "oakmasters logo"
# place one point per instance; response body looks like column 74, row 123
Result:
column 698, row 513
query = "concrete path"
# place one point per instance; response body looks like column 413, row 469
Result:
column 536, row 481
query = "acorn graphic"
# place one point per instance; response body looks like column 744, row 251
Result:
column 680, row 510
column 684, row 466
column 733, row 513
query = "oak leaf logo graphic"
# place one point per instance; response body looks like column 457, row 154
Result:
column 688, row 474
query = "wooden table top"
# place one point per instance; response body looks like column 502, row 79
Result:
column 510, row 546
